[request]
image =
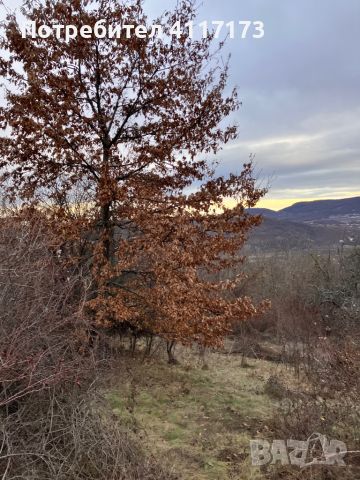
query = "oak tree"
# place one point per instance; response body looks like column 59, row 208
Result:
column 111, row 139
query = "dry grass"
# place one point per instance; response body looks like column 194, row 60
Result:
column 201, row 420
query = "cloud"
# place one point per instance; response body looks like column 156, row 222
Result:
column 300, row 91
column 301, row 101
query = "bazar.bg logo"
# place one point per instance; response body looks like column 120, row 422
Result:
column 316, row 450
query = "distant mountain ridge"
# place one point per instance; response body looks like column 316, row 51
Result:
column 313, row 210
column 313, row 224
column 320, row 209
column 265, row 212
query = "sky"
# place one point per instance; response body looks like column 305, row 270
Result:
column 300, row 93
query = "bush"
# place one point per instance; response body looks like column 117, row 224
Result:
column 51, row 426
column 71, row 437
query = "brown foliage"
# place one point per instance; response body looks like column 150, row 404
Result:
column 128, row 125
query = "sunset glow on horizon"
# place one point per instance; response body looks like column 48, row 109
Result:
column 278, row 203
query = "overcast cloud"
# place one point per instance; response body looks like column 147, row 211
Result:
column 300, row 88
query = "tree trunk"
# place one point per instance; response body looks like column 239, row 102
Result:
column 170, row 347
column 106, row 227
column 106, row 231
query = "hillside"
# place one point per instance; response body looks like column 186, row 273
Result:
column 318, row 224
column 199, row 421
column 323, row 210
column 265, row 212
column 275, row 234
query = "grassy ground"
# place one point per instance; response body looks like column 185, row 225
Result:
column 198, row 420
